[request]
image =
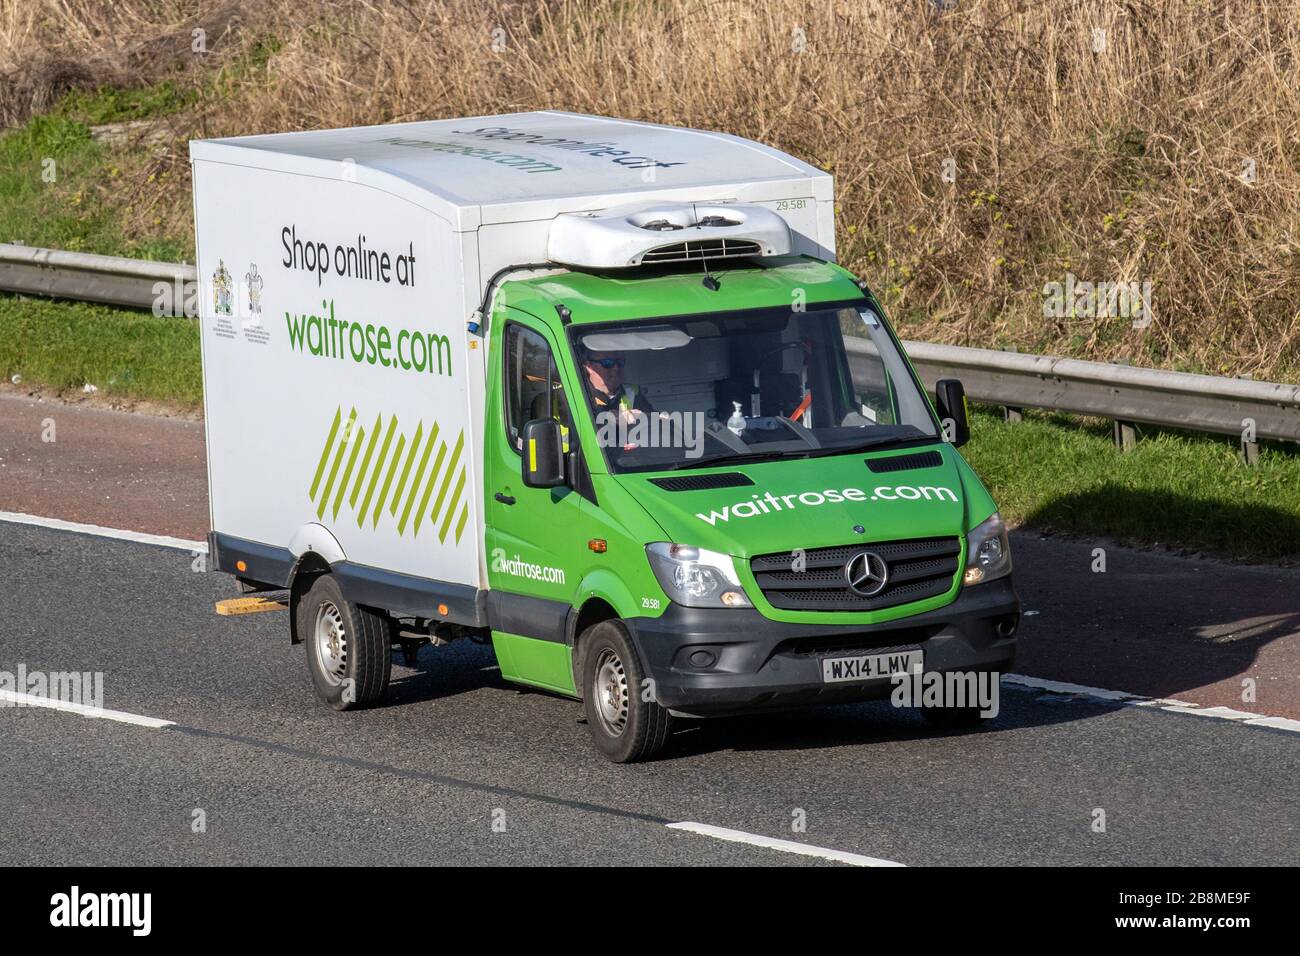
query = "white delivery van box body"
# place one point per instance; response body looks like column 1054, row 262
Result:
column 339, row 273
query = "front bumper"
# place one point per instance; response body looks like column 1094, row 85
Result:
column 706, row 661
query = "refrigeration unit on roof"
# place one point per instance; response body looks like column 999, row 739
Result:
column 666, row 233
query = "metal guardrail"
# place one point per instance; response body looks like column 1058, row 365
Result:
column 111, row 280
column 1228, row 406
column 1248, row 409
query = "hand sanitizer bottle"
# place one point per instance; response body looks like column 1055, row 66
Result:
column 737, row 421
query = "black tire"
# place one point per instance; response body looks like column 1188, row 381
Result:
column 624, row 726
column 352, row 671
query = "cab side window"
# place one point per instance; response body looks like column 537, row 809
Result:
column 533, row 385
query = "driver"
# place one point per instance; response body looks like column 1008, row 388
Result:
column 604, row 371
column 609, row 393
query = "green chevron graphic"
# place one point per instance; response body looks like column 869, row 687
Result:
column 430, row 461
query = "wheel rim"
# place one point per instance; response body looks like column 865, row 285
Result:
column 610, row 693
column 331, row 643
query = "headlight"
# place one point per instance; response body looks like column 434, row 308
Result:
column 988, row 552
column 696, row 577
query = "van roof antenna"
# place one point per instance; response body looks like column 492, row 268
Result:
column 710, row 283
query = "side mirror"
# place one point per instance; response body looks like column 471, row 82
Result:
column 951, row 399
column 543, row 454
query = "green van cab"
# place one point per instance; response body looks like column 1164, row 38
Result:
column 654, row 561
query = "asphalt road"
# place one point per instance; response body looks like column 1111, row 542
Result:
column 423, row 779
column 459, row 767
column 1151, row 624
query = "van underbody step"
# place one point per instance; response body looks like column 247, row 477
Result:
column 252, row 605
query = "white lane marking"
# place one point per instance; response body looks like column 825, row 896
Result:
column 785, row 846
column 1223, row 713
column 1277, row 723
column 1165, row 703
column 15, row 699
column 1171, row 705
column 139, row 537
column 1061, row 687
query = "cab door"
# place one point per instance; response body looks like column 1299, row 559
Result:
column 535, row 536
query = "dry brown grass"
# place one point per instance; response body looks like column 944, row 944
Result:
column 1116, row 165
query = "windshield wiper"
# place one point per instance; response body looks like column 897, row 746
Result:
column 720, row 460
column 873, row 444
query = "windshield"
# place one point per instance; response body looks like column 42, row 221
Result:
column 715, row 389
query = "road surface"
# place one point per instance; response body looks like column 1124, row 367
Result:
column 459, row 767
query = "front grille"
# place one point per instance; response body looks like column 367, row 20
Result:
column 698, row 249
column 918, row 569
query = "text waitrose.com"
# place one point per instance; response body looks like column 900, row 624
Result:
column 330, row 337
column 769, row 502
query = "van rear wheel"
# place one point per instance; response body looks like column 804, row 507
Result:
column 349, row 647
column 624, row 725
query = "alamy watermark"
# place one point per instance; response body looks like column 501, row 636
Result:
column 83, row 688
column 630, row 430
column 948, row 689
column 73, row 909
column 1075, row 298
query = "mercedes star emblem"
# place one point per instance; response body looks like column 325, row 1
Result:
column 866, row 573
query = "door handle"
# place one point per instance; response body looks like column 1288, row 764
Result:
column 504, row 498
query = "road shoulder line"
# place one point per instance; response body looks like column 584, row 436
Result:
column 99, row 531
column 9, row 698
column 1125, row 699
column 784, row 846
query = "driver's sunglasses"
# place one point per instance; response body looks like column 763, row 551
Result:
column 609, row 362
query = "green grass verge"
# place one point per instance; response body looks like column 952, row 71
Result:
column 62, row 189
column 1174, row 489
column 122, row 352
column 112, row 105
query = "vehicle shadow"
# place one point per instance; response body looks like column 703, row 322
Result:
column 464, row 667
column 1152, row 622
column 852, row 725
column 441, row 672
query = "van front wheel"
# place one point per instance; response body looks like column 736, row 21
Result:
column 349, row 647
column 626, row 723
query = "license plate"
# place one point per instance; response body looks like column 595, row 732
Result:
column 871, row 666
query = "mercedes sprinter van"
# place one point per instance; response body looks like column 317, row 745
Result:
column 593, row 391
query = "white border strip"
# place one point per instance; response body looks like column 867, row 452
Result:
column 1277, row 723
column 14, row 699
column 785, row 846
column 1061, row 687
column 138, row 537
column 1160, row 703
